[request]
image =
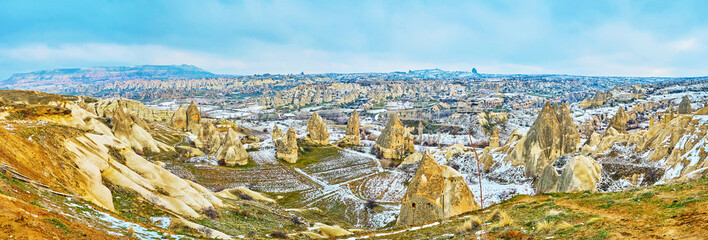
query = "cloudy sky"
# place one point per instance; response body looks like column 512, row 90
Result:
column 628, row 38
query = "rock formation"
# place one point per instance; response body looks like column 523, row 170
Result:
column 395, row 142
column 435, row 192
column 352, row 135
column 179, row 119
column 580, row 173
column 106, row 109
column 231, row 152
column 685, row 106
column 317, row 130
column 127, row 130
column 209, row 138
column 599, row 99
column 552, row 134
column 618, row 122
column 193, row 119
column 494, row 138
column 287, row 147
column 277, row 133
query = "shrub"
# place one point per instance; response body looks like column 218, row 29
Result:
column 371, row 203
column 296, row 220
column 244, row 196
column 279, row 234
column 211, row 212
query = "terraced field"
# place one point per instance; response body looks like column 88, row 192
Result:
column 337, row 182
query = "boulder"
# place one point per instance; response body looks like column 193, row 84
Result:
column 395, row 142
column 231, row 152
column 317, row 130
column 435, row 192
column 287, row 147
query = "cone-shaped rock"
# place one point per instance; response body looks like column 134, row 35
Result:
column 317, row 130
column 352, row 135
column 193, row 118
column 179, row 119
column 685, row 106
column 435, row 192
column 552, row 134
column 619, row 121
column 277, row 133
column 210, row 138
column 287, row 147
column 231, row 152
column 395, row 141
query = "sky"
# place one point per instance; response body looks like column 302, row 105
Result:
column 608, row 38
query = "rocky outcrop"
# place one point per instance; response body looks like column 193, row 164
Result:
column 194, row 119
column 317, row 130
column 395, row 142
column 580, row 173
column 599, row 99
column 494, row 138
column 210, row 138
column 435, row 192
column 231, row 152
column 552, row 134
column 106, row 109
column 179, row 119
column 287, row 147
column 352, row 136
column 618, row 122
column 129, row 131
column 277, row 133
column 685, row 106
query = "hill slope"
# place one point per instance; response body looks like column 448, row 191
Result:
column 45, row 79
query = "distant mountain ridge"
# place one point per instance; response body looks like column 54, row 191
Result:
column 67, row 76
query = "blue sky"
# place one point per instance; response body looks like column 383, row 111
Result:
column 627, row 38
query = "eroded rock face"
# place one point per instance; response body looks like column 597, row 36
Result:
column 193, row 119
column 552, row 134
column 129, row 131
column 277, row 133
column 580, row 173
column 619, row 121
column 352, row 135
column 287, row 147
column 210, row 138
column 317, row 130
column 231, row 152
column 494, row 138
column 179, row 119
column 597, row 100
column 106, row 108
column 435, row 192
column 395, row 142
column 685, row 106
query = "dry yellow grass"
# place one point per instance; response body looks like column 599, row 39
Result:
column 544, row 226
column 471, row 224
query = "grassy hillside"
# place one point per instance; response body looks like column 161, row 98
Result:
column 678, row 211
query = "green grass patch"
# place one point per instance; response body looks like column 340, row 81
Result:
column 313, row 154
column 684, row 202
column 58, row 224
